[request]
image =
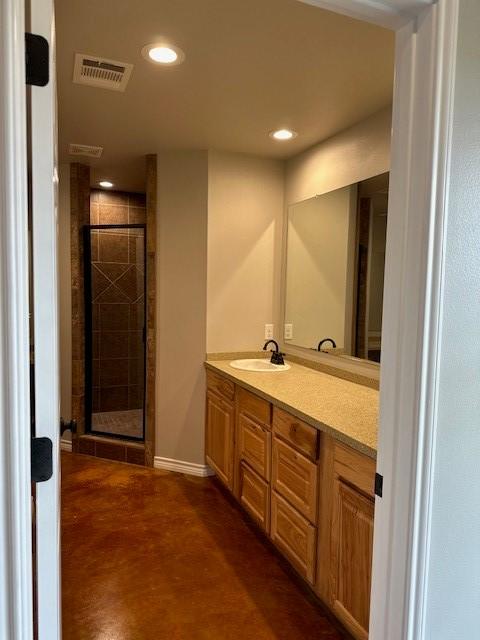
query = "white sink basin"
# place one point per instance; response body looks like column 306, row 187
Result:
column 258, row 365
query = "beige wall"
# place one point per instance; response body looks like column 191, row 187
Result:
column 242, row 197
column 245, row 217
column 181, row 304
column 65, row 293
column 360, row 152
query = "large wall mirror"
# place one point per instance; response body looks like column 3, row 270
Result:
column 335, row 270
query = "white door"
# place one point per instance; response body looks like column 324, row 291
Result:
column 43, row 207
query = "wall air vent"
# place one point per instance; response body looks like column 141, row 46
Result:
column 100, row 72
column 85, row 150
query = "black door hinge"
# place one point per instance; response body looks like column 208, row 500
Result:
column 378, row 485
column 41, row 459
column 37, row 70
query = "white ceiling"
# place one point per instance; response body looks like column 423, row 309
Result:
column 251, row 66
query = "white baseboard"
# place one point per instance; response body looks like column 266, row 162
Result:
column 180, row 466
column 65, row 445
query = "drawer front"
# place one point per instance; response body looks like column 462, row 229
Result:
column 255, row 496
column 295, row 478
column 255, row 407
column 220, row 386
column 294, row 536
column 356, row 468
column 299, row 434
column 254, row 445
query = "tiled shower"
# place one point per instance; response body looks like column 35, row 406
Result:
column 115, row 314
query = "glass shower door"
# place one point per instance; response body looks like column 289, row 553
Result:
column 115, row 331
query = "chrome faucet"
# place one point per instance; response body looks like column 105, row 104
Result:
column 277, row 356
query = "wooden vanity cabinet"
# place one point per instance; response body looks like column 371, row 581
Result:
column 345, row 541
column 220, row 428
column 298, row 434
column 352, row 542
column 294, row 477
column 253, row 455
column 254, row 445
column 312, row 494
column 255, row 496
column 294, row 535
column 294, row 491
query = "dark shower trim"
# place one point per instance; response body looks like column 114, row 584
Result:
column 89, row 330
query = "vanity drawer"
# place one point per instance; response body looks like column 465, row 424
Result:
column 220, row 386
column 295, row 478
column 253, row 406
column 356, row 468
column 255, row 496
column 299, row 434
column 254, row 445
column 294, row 536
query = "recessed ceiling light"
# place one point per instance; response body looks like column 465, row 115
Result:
column 165, row 54
column 283, row 134
column 106, row 184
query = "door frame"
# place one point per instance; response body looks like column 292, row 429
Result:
column 16, row 599
column 422, row 124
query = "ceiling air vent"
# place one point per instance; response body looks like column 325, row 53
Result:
column 85, row 150
column 100, row 72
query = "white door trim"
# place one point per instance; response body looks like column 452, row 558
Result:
column 16, row 612
column 422, row 132
column 393, row 14
column 44, row 206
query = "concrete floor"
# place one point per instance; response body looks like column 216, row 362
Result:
column 152, row 555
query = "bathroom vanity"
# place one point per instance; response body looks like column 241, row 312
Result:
column 297, row 450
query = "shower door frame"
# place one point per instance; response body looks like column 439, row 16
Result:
column 87, row 269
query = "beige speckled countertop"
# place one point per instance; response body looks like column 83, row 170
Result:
column 343, row 409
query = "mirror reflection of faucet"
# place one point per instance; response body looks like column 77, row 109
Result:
column 322, row 342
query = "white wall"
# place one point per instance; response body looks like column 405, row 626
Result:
column 65, row 293
column 181, row 304
column 453, row 588
column 245, row 217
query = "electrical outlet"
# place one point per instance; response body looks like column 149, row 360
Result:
column 288, row 332
column 268, row 331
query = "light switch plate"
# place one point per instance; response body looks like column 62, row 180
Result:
column 288, row 332
column 268, row 331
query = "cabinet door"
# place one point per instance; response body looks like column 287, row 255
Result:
column 255, row 496
column 219, row 444
column 294, row 536
column 351, row 561
column 254, row 445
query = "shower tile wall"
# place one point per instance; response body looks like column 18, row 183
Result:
column 118, row 266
